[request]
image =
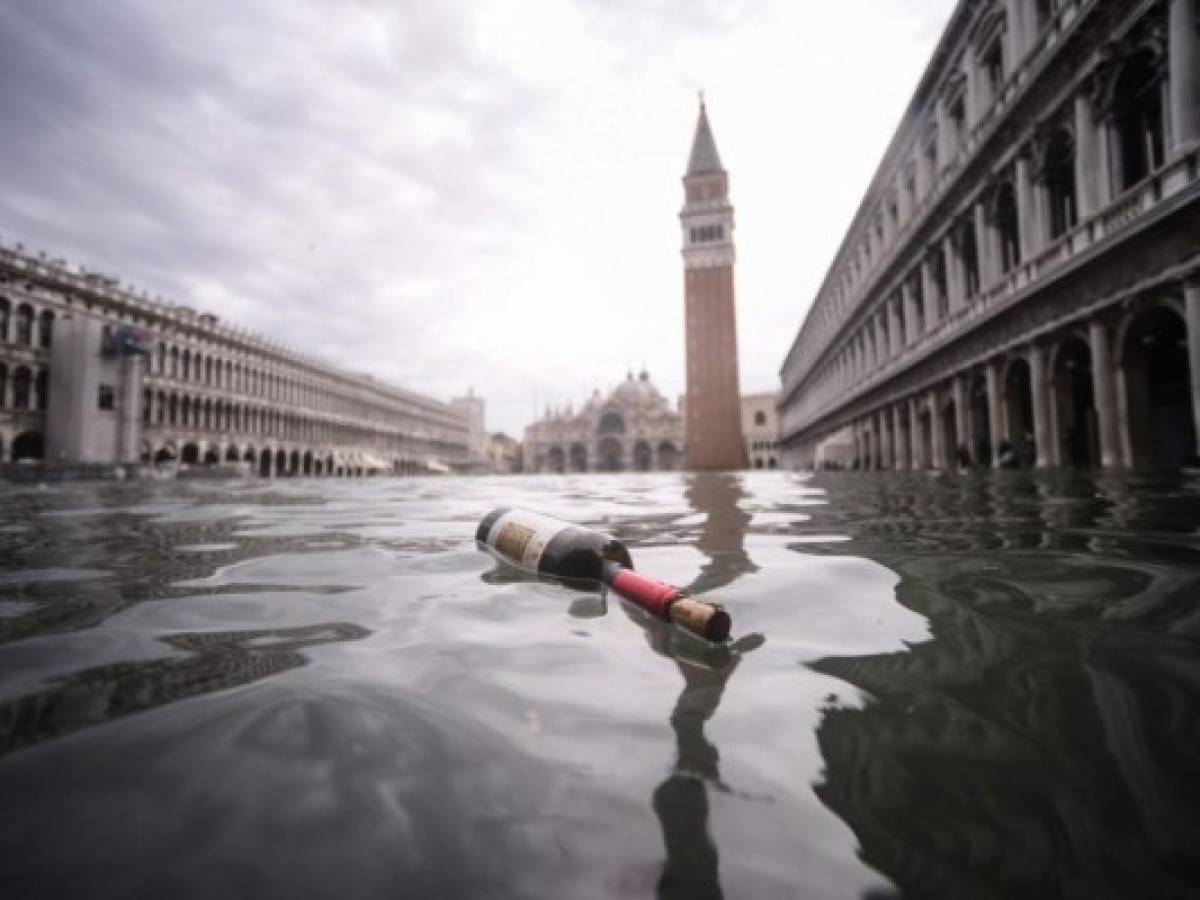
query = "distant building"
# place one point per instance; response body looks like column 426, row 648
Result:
column 1023, row 271
column 632, row 428
column 713, row 413
column 504, row 454
column 473, row 410
column 93, row 373
column 760, row 426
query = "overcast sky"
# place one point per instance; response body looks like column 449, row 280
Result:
column 452, row 194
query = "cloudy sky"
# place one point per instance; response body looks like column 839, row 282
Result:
column 452, row 194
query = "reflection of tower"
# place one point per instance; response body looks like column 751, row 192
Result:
column 713, row 420
column 724, row 531
column 680, row 802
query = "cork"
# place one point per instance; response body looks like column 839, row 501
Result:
column 707, row 620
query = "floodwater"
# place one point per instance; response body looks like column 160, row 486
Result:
column 980, row 685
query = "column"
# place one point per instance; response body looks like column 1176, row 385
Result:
column 992, row 373
column 1028, row 224
column 916, row 436
column 1102, row 387
column 903, row 448
column 1041, row 406
column 936, row 431
column 1191, row 299
column 1184, row 75
column 1087, row 169
column 983, row 248
column 877, row 442
column 887, row 430
column 960, row 417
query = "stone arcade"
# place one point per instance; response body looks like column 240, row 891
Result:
column 205, row 393
column 1025, row 265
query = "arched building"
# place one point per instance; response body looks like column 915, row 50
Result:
column 633, row 428
column 207, row 392
column 1024, row 268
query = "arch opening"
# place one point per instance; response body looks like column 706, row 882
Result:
column 1157, row 389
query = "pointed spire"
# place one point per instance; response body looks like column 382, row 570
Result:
column 704, row 159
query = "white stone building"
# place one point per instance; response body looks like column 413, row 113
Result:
column 1024, row 269
column 760, row 430
column 632, row 428
column 205, row 393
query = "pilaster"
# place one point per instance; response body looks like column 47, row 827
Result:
column 1184, row 75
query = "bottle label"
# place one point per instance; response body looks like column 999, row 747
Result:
column 520, row 537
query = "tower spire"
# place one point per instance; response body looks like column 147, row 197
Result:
column 704, row 159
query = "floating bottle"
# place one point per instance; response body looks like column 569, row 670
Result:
column 552, row 547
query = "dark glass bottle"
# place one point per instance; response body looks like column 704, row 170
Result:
column 549, row 546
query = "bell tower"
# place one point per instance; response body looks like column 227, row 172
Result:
column 713, row 411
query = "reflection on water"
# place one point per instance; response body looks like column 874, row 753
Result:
column 1044, row 741
column 214, row 661
column 979, row 685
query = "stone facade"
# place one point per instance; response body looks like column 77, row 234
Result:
column 713, row 409
column 633, row 428
column 503, row 454
column 206, row 392
column 760, row 426
column 1021, row 282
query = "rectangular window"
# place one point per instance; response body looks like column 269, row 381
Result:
column 108, row 397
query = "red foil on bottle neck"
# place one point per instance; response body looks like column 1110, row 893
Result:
column 652, row 596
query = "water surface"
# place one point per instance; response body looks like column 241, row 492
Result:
column 981, row 685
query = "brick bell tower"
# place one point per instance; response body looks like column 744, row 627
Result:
column 713, row 412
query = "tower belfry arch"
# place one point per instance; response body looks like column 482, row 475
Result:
column 713, row 409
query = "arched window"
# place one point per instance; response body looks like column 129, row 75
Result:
column 22, row 388
column 760, row 418
column 969, row 255
column 1005, row 221
column 1058, row 172
column 46, row 328
column 1137, row 117
column 186, row 366
column 41, row 386
column 4, row 310
column 25, row 325
column 174, row 362
column 3, row 388
column 937, row 273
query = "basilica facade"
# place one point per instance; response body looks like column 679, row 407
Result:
column 632, row 428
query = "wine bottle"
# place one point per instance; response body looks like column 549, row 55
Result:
column 549, row 546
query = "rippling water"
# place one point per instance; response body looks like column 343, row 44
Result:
column 982, row 685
